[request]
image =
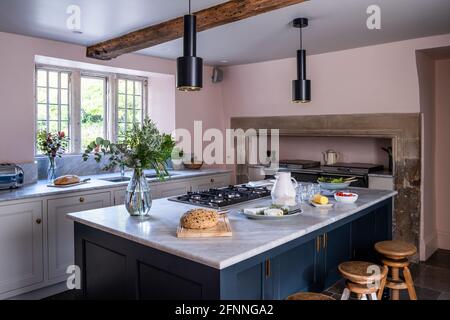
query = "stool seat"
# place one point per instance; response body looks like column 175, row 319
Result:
column 364, row 279
column 395, row 249
column 361, row 272
column 309, row 296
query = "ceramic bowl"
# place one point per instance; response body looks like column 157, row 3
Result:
column 347, row 199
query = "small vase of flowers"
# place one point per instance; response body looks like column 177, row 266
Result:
column 52, row 145
column 143, row 147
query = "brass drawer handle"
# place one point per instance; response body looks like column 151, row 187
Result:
column 268, row 271
column 324, row 245
column 81, row 199
column 38, row 221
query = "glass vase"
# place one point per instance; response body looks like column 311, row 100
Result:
column 51, row 170
column 138, row 200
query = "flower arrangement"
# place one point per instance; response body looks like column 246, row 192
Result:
column 144, row 147
column 52, row 144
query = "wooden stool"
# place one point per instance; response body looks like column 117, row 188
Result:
column 309, row 296
column 396, row 254
column 365, row 279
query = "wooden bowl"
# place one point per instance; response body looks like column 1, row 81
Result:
column 193, row 166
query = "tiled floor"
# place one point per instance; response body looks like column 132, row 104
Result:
column 431, row 279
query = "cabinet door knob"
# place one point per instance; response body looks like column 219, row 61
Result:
column 38, row 221
column 212, row 180
column 81, row 199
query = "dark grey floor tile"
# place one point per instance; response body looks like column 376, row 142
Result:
column 338, row 287
column 67, row 295
column 441, row 258
column 422, row 294
column 444, row 296
column 434, row 278
column 416, row 269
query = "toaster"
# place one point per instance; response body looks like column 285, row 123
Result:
column 11, row 176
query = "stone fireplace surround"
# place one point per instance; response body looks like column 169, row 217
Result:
column 405, row 131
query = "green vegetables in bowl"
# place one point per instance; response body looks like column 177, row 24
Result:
column 331, row 180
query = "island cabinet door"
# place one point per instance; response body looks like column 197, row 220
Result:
column 366, row 231
column 336, row 248
column 60, row 229
column 363, row 238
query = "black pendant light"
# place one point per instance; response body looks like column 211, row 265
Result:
column 190, row 67
column 301, row 88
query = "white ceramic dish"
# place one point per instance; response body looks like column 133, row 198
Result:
column 253, row 216
column 321, row 206
column 351, row 199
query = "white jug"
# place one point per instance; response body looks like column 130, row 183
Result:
column 283, row 192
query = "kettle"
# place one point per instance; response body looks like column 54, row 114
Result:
column 330, row 157
column 283, row 191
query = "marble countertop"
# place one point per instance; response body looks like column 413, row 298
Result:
column 250, row 237
column 40, row 189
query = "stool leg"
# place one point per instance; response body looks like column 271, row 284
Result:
column 382, row 285
column 345, row 294
column 373, row 296
column 396, row 277
column 410, row 283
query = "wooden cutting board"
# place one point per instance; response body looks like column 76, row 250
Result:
column 222, row 229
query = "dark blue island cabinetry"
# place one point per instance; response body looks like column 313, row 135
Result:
column 114, row 267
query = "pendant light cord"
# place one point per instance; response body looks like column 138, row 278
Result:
column 301, row 38
column 189, row 6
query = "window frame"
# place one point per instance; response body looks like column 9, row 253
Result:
column 106, row 122
column 111, row 102
column 144, row 93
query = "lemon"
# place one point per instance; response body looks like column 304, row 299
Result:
column 319, row 199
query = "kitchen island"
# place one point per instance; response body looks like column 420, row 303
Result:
column 124, row 258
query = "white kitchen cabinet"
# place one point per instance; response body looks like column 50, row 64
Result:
column 21, row 246
column 381, row 183
column 170, row 189
column 209, row 182
column 60, row 229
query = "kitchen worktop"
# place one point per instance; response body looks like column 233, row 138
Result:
column 40, row 189
column 250, row 237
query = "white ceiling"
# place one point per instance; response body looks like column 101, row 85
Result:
column 334, row 25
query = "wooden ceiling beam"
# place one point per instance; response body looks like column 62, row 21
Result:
column 228, row 12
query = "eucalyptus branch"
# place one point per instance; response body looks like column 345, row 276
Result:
column 144, row 147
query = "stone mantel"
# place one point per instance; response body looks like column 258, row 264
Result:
column 403, row 128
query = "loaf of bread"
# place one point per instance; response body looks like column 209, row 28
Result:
column 199, row 219
column 66, row 180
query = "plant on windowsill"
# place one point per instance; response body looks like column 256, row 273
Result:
column 144, row 147
column 52, row 145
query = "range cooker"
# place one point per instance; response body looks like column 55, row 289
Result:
column 223, row 198
column 310, row 172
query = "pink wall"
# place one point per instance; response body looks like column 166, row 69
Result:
column 373, row 79
column 16, row 90
column 442, row 158
column 361, row 150
column 426, row 76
